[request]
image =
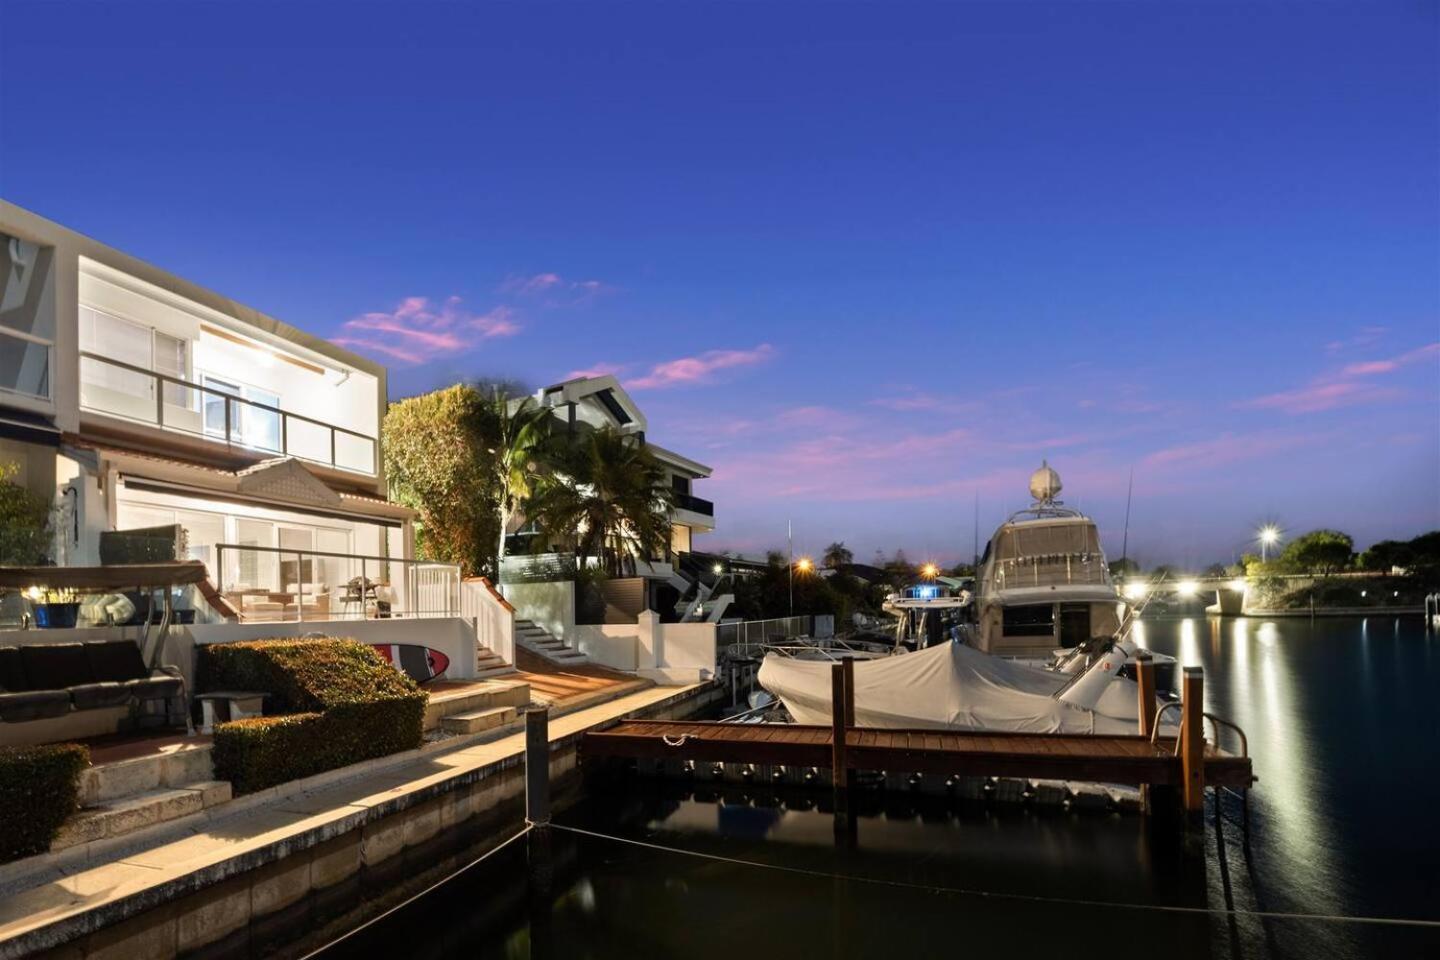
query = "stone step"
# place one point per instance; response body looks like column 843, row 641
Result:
column 105, row 782
column 479, row 720
column 119, row 817
column 487, row 673
column 481, row 696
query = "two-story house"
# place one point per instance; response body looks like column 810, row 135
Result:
column 136, row 399
column 592, row 403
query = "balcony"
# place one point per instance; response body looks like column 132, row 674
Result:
column 268, row 584
column 169, row 403
column 684, row 501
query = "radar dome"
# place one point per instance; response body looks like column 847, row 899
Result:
column 1044, row 483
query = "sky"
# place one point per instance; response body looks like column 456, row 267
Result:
column 872, row 262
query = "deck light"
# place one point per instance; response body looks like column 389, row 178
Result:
column 1188, row 588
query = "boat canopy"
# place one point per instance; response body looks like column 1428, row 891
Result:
column 1050, row 538
column 950, row 686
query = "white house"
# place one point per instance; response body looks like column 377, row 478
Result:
column 138, row 400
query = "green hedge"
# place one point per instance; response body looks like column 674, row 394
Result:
column 332, row 703
column 39, row 790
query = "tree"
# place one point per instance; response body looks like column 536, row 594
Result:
column 607, row 494
column 1320, row 552
column 24, row 522
column 519, row 436
column 1124, row 568
column 436, row 463
column 837, row 555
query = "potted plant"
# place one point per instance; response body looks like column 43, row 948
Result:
column 54, row 609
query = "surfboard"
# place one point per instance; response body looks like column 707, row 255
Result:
column 421, row 664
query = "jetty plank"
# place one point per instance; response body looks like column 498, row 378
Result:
column 1104, row 759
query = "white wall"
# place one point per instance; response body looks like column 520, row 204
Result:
column 551, row 604
column 614, row 645
column 493, row 616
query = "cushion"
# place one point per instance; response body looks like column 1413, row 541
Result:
column 33, row 705
column 115, row 660
column 12, row 673
column 156, row 686
column 92, row 696
column 51, row 666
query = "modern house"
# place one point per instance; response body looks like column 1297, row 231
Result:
column 590, row 403
column 138, row 401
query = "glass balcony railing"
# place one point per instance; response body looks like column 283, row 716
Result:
column 170, row 403
column 24, row 364
column 685, row 501
column 278, row 584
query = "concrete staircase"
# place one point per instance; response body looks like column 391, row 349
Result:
column 478, row 707
column 489, row 664
column 538, row 641
column 126, row 795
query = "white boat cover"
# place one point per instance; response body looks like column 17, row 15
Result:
column 949, row 686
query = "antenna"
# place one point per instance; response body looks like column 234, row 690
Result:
column 1125, row 543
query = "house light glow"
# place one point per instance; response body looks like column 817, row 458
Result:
column 1188, row 588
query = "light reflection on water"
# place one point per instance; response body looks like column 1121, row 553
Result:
column 1341, row 728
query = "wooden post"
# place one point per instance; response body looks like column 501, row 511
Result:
column 537, row 766
column 1145, row 676
column 848, row 665
column 837, row 721
column 1192, row 740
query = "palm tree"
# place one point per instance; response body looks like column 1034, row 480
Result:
column 837, row 555
column 520, row 435
column 610, row 495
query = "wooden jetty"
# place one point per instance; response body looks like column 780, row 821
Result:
column 1187, row 762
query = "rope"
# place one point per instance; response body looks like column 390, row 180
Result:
column 674, row 741
column 409, row 900
column 994, row 895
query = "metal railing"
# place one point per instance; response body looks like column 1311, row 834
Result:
column 178, row 405
column 743, row 638
column 275, row 583
column 1052, row 571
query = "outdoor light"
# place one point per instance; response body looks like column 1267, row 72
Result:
column 719, row 569
column 1188, row 588
column 1135, row 591
column 1363, row 592
column 1237, row 585
column 1269, row 535
column 930, row 571
column 804, row 564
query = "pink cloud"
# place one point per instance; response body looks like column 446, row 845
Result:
column 699, row 369
column 415, row 331
column 1227, row 448
column 1364, row 338
column 597, row 370
column 554, row 287
column 1347, row 388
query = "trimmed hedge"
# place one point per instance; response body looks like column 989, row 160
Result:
column 332, row 703
column 39, row 790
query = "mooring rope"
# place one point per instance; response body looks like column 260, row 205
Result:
column 998, row 895
column 674, row 741
column 409, row 900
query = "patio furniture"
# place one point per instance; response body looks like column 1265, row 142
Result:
column 220, row 706
column 48, row 680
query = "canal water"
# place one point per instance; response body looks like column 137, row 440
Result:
column 1344, row 824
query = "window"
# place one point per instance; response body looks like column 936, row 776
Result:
column 170, row 358
column 681, row 484
column 1032, row 621
column 249, row 424
column 607, row 399
column 27, row 318
column 113, row 387
column 257, row 567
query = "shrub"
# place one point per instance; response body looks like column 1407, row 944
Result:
column 39, row 790
column 332, row 702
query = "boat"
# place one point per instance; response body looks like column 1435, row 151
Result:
column 930, row 612
column 1044, row 585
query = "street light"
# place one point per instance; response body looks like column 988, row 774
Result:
column 804, row 565
column 1269, row 536
column 929, row 571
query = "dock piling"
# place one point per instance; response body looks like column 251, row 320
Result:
column 1192, row 741
column 537, row 766
column 839, row 705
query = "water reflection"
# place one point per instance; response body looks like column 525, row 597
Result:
column 1337, row 713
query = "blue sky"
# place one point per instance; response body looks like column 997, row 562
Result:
column 867, row 260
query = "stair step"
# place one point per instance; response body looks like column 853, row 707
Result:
column 483, row 696
column 486, row 673
column 478, row 720
column 108, row 782
column 119, row 817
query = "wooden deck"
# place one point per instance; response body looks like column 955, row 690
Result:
column 1102, row 759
